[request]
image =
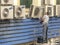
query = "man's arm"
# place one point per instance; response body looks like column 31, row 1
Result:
column 42, row 19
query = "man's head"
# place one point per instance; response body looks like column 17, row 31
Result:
column 47, row 13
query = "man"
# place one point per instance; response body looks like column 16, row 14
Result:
column 45, row 20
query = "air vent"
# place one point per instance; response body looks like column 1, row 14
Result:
column 36, row 12
column 5, row 12
column 50, row 10
column 19, row 12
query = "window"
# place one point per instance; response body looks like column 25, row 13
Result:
column 26, row 2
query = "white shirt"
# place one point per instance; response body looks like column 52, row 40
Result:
column 45, row 19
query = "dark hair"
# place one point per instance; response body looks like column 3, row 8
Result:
column 47, row 13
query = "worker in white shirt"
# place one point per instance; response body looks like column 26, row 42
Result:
column 45, row 20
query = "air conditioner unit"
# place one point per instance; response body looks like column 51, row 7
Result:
column 8, row 2
column 50, row 10
column 20, row 12
column 58, row 10
column 31, row 10
column 6, row 12
column 34, row 11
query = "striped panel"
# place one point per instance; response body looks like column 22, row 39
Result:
column 18, row 31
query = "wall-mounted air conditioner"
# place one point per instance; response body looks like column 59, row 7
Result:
column 19, row 12
column 7, row 2
column 50, row 10
column 6, row 12
column 34, row 11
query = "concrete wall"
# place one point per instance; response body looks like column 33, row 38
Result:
column 36, row 2
column 53, row 2
column 16, row 2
